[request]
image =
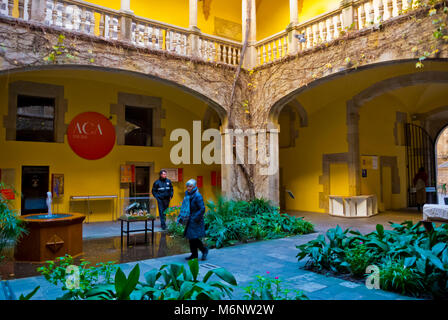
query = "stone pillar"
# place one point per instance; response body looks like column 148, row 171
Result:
column 354, row 157
column 126, row 6
column 125, row 21
column 193, row 20
column 193, row 37
column 348, row 13
column 249, row 15
column 293, row 12
column 227, row 173
column 38, row 8
column 293, row 42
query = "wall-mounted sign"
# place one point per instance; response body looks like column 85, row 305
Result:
column 200, row 181
column 91, row 135
column 7, row 194
column 369, row 162
column 172, row 174
column 57, row 185
column 214, row 178
column 127, row 173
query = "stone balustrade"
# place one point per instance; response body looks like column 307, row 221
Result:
column 217, row 49
column 350, row 16
column 272, row 48
column 98, row 21
column 81, row 16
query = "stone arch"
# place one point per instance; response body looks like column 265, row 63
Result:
column 296, row 105
column 220, row 110
column 368, row 94
column 286, row 98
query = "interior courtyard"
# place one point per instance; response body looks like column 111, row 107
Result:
column 296, row 119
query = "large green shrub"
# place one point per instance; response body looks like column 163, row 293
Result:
column 411, row 261
column 11, row 228
column 77, row 280
column 170, row 282
column 228, row 222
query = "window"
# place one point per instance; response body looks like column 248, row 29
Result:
column 138, row 130
column 138, row 120
column 35, row 119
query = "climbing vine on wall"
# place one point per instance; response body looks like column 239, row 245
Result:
column 438, row 10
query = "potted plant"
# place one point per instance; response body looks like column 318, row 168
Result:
column 11, row 228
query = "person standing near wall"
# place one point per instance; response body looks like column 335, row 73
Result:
column 192, row 216
column 420, row 183
column 163, row 191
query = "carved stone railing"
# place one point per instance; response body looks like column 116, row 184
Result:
column 81, row 16
column 272, row 48
column 216, row 49
column 351, row 15
column 98, row 21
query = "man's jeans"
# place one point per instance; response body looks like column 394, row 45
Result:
column 163, row 204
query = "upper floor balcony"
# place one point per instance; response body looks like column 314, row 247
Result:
column 186, row 28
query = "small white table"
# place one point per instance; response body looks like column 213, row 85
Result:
column 353, row 206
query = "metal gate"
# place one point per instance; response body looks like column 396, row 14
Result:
column 420, row 152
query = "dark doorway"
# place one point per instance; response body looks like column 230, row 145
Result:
column 420, row 153
column 35, row 185
column 139, row 191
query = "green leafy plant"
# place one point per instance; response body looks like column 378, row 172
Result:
column 268, row 288
column 358, row 258
column 170, row 282
column 76, row 280
column 395, row 276
column 11, row 228
column 29, row 295
column 229, row 222
column 413, row 261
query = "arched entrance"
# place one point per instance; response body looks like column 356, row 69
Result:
column 38, row 106
column 355, row 139
column 441, row 153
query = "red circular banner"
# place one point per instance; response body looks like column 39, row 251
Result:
column 91, row 135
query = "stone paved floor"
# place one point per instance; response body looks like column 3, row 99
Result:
column 276, row 256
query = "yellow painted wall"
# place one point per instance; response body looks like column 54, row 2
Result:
column 376, row 137
column 227, row 10
column 311, row 9
column 272, row 17
column 95, row 91
column 302, row 164
column 113, row 4
column 176, row 12
column 327, row 133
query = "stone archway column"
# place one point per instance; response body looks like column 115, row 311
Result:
column 249, row 13
column 264, row 166
column 354, row 157
column 227, row 170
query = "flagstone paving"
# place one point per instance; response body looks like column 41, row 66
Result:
column 245, row 262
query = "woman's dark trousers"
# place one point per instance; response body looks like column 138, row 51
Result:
column 196, row 244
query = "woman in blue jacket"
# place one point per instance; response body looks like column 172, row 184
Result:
column 192, row 215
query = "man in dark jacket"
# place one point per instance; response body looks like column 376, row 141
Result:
column 162, row 190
